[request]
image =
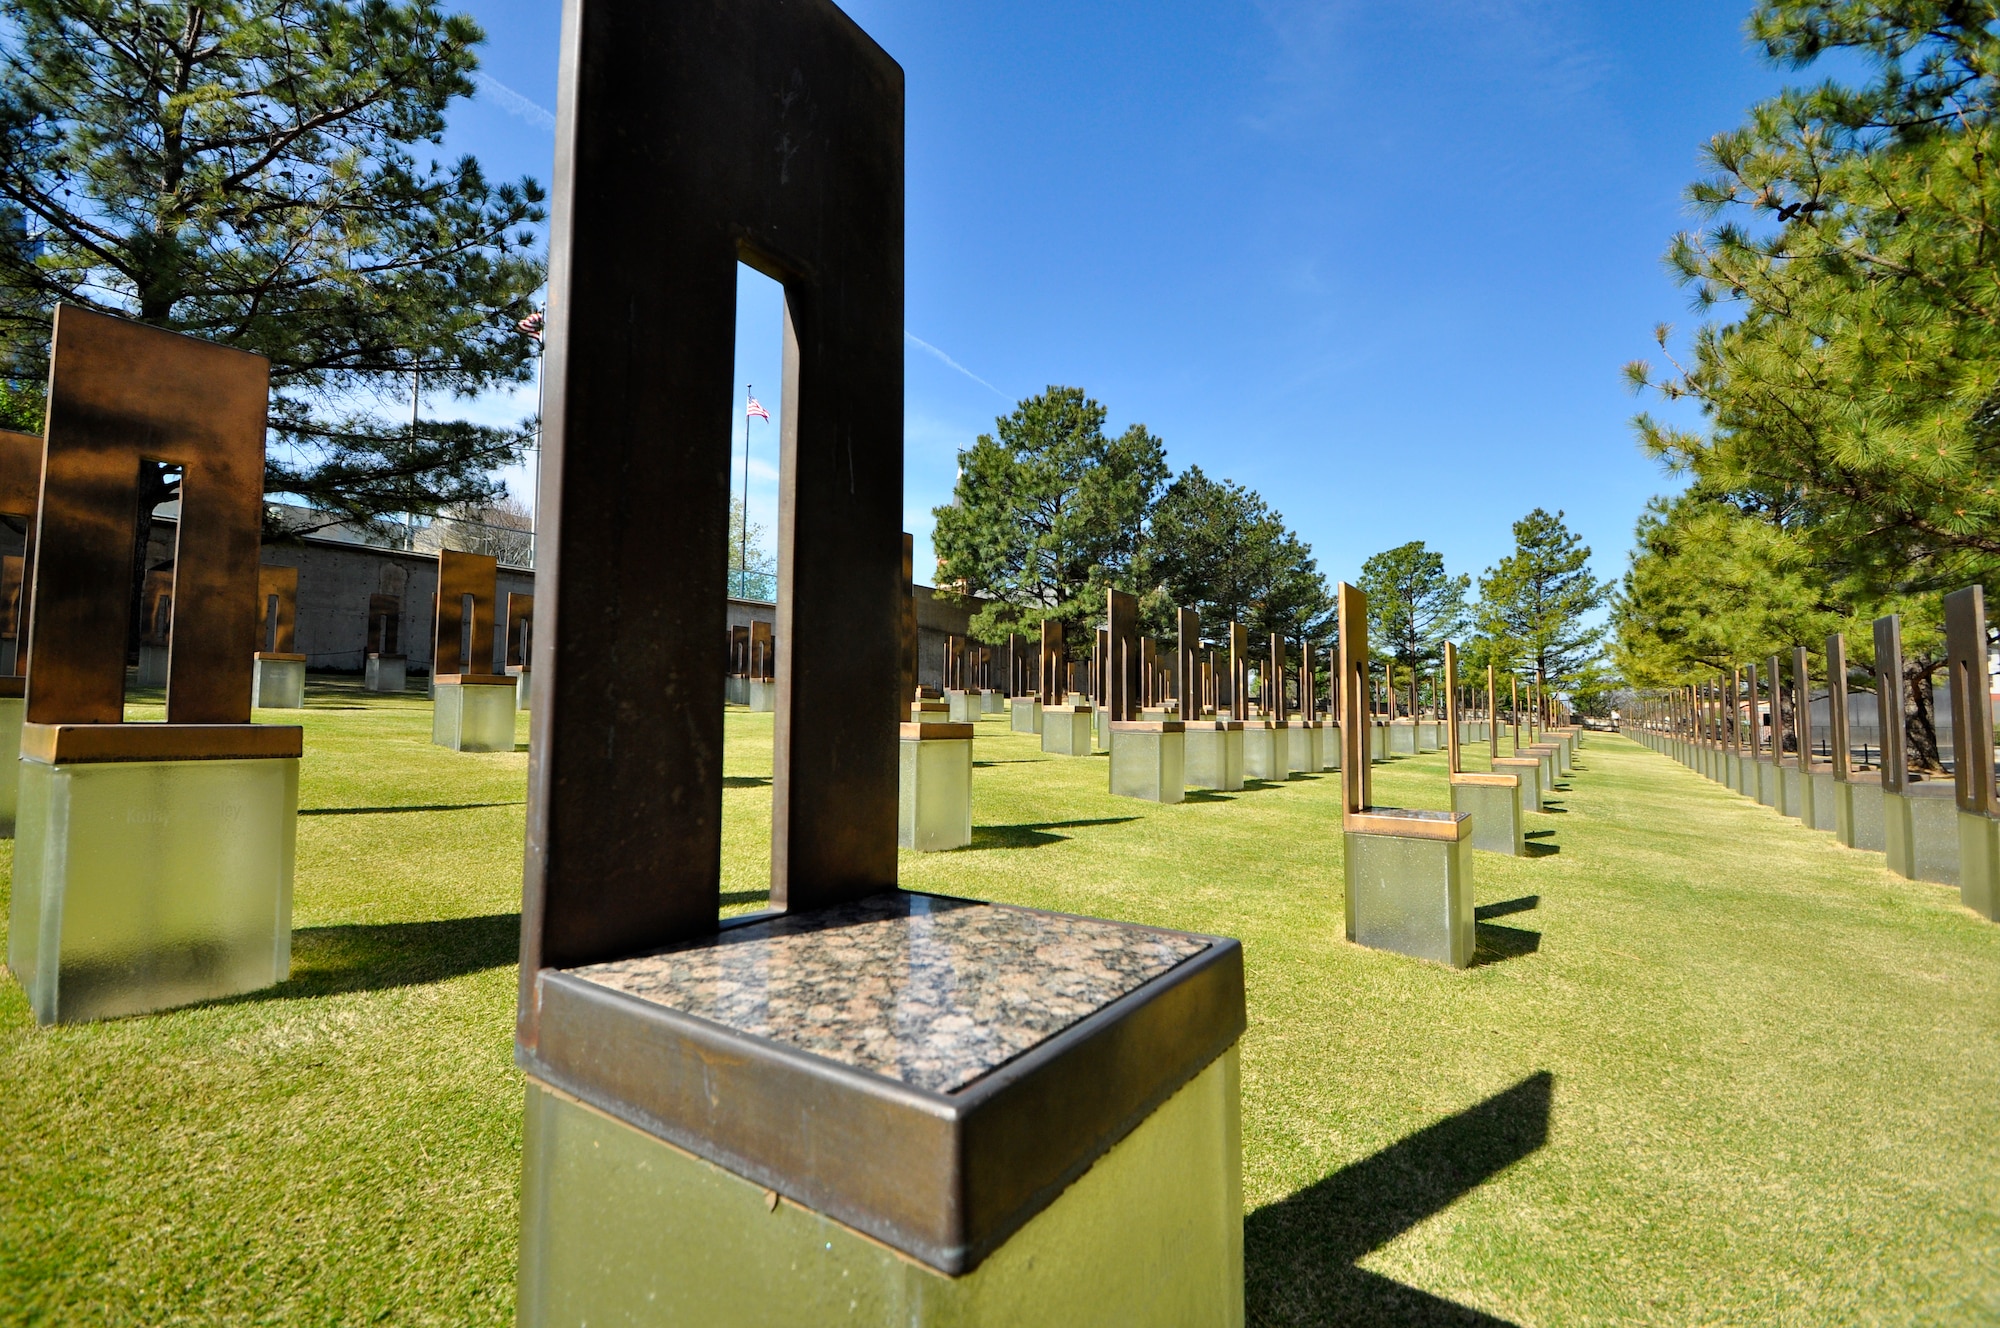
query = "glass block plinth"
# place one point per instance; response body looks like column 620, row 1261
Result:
column 619, row 1227
column 1329, row 747
column 1378, row 742
column 929, row 712
column 1305, row 744
column 963, row 706
column 1149, row 760
column 736, row 689
column 278, row 682
column 1857, row 807
column 474, row 714
column 1494, row 804
column 1024, row 714
column 140, row 885
column 385, row 673
column 1920, row 832
column 1409, row 883
column 1528, row 770
column 1545, row 753
column 1979, row 864
column 761, row 695
column 1768, row 788
column 1265, row 749
column 1823, row 807
column 10, row 768
column 524, row 688
column 1066, row 730
column 1797, row 789
column 901, row 1110
column 934, row 789
column 1402, row 738
column 1215, row 754
column 1427, row 736
column 152, row 666
column 991, row 702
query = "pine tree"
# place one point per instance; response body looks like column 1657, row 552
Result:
column 253, row 172
column 1539, row 597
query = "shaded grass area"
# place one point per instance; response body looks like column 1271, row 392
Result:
column 1710, row 1067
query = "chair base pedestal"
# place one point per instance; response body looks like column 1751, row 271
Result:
column 1857, row 811
column 934, row 787
column 385, row 673
column 1305, row 750
column 1979, row 864
column 474, row 717
column 1528, row 770
column 1025, row 714
column 278, row 684
column 11, row 710
column 1215, row 755
column 1494, row 804
column 618, row 1227
column 1149, row 761
column 141, row 885
column 1920, row 836
column 1411, row 895
column 991, row 702
column 1265, row 751
column 1066, row 730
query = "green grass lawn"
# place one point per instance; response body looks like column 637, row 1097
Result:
column 1711, row 1068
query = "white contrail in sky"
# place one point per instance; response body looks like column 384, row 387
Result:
column 919, row 341
column 514, row 103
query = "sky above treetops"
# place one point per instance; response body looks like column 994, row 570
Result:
column 1381, row 264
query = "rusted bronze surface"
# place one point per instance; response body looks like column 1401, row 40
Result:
column 1776, row 687
column 1407, row 823
column 762, row 662
column 1839, row 737
column 1971, row 700
column 277, row 610
column 1492, row 718
column 20, row 495
column 462, row 642
column 1802, row 707
column 474, row 680
column 916, row 732
column 1271, row 692
column 1188, row 686
column 1356, row 736
column 74, row 744
column 1239, row 671
column 1121, row 655
column 520, row 628
column 385, row 625
column 1451, row 707
column 1054, row 670
column 121, row 394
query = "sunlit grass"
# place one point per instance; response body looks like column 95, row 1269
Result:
column 1712, row 1067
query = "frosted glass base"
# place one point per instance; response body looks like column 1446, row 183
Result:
column 761, row 695
column 1529, row 771
column 620, row 1228
column 736, row 689
column 1264, row 751
column 1979, row 864
column 1304, row 751
column 10, row 767
column 934, row 794
column 1378, row 742
column 964, row 706
column 140, row 885
column 475, row 717
column 1858, row 814
column 1412, row 896
column 1214, row 758
column 1934, row 833
column 1066, row 730
column 1496, row 816
column 385, row 673
column 1427, row 737
column 1797, row 789
column 1149, row 764
column 152, row 666
column 278, row 684
column 524, row 690
column 1025, row 714
column 1823, row 808
column 992, row 703
column 1767, row 784
column 1402, row 739
column 1329, row 747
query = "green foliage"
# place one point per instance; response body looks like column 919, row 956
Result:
column 1414, row 605
column 21, row 406
column 1216, row 547
column 1535, row 602
column 244, row 172
column 1048, row 515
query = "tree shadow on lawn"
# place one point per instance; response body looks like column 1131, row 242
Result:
column 1301, row 1254
column 1034, row 834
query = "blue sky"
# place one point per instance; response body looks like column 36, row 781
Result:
column 1381, row 263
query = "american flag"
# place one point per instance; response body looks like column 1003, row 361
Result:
column 756, row 408
column 532, row 325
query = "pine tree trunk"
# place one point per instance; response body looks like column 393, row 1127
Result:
column 1920, row 715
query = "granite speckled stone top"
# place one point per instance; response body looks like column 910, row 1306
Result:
column 930, row 991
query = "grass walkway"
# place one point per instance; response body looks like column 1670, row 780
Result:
column 1711, row 1067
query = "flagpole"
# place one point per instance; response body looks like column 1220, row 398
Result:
column 743, row 544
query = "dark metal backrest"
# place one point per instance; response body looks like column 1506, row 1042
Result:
column 692, row 135
column 1451, row 707
column 460, row 575
column 1054, row 663
column 277, row 609
column 1187, row 663
column 1239, row 671
column 1971, row 700
column 520, row 615
column 20, row 494
column 1356, row 737
column 1889, row 702
column 1121, row 659
column 1802, row 706
column 120, row 394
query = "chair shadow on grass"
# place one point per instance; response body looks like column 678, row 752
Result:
column 1205, row 795
column 1494, row 944
column 424, row 807
column 1302, row 1253
column 746, row 781
column 1536, row 848
column 1506, row 906
column 1035, row 834
column 328, row 961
